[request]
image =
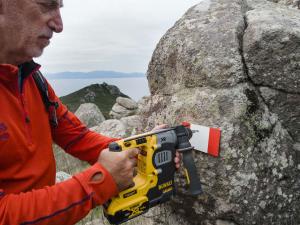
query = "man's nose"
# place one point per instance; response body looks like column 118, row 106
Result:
column 55, row 23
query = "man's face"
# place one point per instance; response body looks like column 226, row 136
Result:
column 29, row 26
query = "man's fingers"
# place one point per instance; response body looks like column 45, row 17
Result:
column 133, row 162
column 135, row 171
column 132, row 153
column 177, row 159
column 131, row 185
column 159, row 127
column 162, row 126
column 178, row 154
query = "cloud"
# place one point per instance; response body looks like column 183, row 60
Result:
column 115, row 35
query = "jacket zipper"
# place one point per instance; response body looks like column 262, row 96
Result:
column 26, row 119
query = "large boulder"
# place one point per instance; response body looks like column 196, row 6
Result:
column 209, row 34
column 127, row 103
column 111, row 128
column 133, row 125
column 89, row 114
column 125, row 127
column 271, row 47
column 123, row 107
column 234, row 65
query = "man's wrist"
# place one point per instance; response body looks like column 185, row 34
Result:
column 98, row 181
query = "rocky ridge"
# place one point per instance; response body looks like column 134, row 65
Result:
column 103, row 95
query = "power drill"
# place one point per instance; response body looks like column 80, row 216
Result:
column 154, row 182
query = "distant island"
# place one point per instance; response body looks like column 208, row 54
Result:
column 91, row 75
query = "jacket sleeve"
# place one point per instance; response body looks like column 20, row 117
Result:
column 64, row 203
column 74, row 137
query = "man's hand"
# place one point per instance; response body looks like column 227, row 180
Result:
column 178, row 156
column 120, row 165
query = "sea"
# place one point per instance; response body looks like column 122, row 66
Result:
column 134, row 87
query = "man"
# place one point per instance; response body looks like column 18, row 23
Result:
column 28, row 193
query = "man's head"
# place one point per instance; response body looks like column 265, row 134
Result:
column 26, row 27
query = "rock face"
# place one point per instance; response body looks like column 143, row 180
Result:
column 125, row 127
column 286, row 106
column 123, row 107
column 275, row 67
column 133, row 125
column 271, row 48
column 197, row 43
column 234, row 65
column 290, row 3
column 111, row 128
column 89, row 114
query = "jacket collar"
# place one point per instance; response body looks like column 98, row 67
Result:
column 10, row 72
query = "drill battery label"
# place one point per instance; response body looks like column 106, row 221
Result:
column 167, row 189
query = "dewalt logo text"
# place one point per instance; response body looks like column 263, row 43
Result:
column 164, row 185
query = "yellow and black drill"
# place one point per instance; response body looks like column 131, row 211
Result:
column 154, row 182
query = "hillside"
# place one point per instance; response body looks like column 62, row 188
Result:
column 103, row 95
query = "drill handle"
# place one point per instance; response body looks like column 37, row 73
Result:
column 185, row 147
column 191, row 172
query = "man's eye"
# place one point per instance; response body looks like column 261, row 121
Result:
column 49, row 5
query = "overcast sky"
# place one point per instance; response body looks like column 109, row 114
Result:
column 117, row 35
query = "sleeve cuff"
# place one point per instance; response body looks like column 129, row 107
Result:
column 103, row 189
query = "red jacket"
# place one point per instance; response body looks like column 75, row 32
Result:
column 28, row 193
